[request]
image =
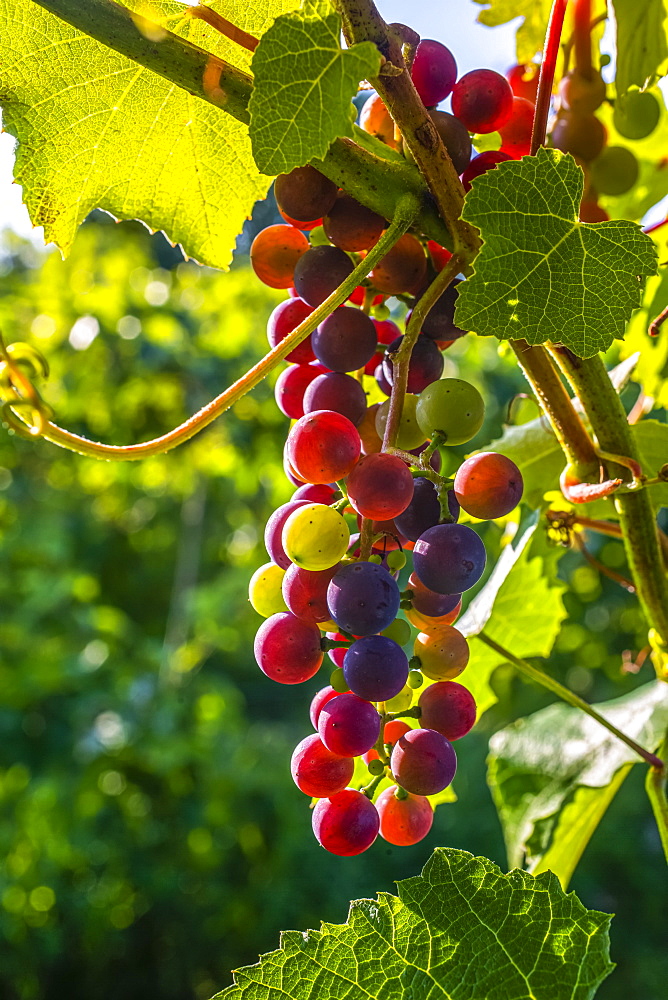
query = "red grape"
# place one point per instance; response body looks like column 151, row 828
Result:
column 402, row 269
column 434, row 71
column 482, row 100
column 287, row 649
column 319, row 699
column 391, row 733
column 274, row 530
column 274, row 254
column 449, row 708
column 317, row 771
column 488, row 485
column 351, row 225
column 286, row 316
column 291, row 385
column 305, row 592
column 403, row 821
column 516, row 133
column 376, row 120
column 380, row 486
column 523, row 83
column 346, row 823
column 481, row 164
column 348, row 725
column 323, row 446
column 346, row 340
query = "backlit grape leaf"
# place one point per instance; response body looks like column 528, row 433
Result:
column 541, row 274
column 652, row 370
column 536, row 452
column 460, row 930
column 96, row 130
column 530, row 33
column 640, row 42
column 554, row 774
column 304, row 84
column 652, row 440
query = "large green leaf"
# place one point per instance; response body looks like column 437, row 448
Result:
column 553, row 775
column 540, row 272
column 304, row 84
column 460, row 930
column 96, row 130
column 652, row 440
column 640, row 42
column 530, row 33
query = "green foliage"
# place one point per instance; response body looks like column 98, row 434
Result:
column 652, row 440
column 554, row 774
column 540, row 271
column 530, row 33
column 460, row 926
column 304, row 82
column 640, row 42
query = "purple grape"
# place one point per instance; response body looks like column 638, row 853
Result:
column 425, row 367
column 319, row 272
column 439, row 323
column 363, row 598
column 434, row 71
column 428, row 602
column 345, row 341
column 449, row 558
column 274, row 530
column 424, row 510
column 383, row 384
column 348, row 725
column 423, row 762
column 375, row 668
column 336, row 391
column 316, row 493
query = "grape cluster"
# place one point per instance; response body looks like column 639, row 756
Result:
column 339, row 546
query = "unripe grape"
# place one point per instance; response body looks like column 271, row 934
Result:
column 451, row 407
column 615, row 171
column 410, row 434
column 315, row 537
column 636, row 114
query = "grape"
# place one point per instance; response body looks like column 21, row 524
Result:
column 403, row 821
column 338, row 392
column 516, row 133
column 428, row 602
column 386, row 332
column 320, row 272
column 346, row 340
column 287, row 649
column 410, row 435
column 581, row 135
column 401, row 701
column 346, row 823
column 481, row 164
column 399, row 630
column 305, row 592
column 352, row 226
column 482, row 100
column 615, row 171
column 316, row 493
column 315, row 537
column 363, row 598
column 450, row 407
column 455, row 137
column 304, row 194
column 274, row 254
column 348, row 725
column 443, row 655
column 337, row 655
column 286, row 316
column 323, row 446
column 438, row 254
column 290, row 472
column 449, row 708
column 434, row 71
column 439, row 323
column 581, row 95
column 264, row 590
column 381, row 381
column 402, row 269
column 319, row 699
column 317, row 771
column 425, row 365
column 371, row 442
column 424, row 509
column 429, row 625
column 488, row 485
column 524, row 84
column 376, row 120
column 380, row 486
column 291, row 385
column 274, row 531
column 423, row 762
column 449, row 558
column 636, row 114
column 375, row 668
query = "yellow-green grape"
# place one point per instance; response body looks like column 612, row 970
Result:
column 401, row 701
column 396, row 560
column 375, row 558
column 264, row 590
column 399, row 630
column 410, row 436
column 338, row 681
column 376, row 766
column 452, row 407
column 415, row 679
column 328, row 626
column 315, row 536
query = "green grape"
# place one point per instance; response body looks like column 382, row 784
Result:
column 395, row 560
column 399, row 630
column 415, row 679
column 375, row 558
column 636, row 114
column 318, row 237
column 315, row 536
column 338, row 681
column 410, row 436
column 401, row 701
column 450, row 407
column 615, row 171
column 376, row 766
column 264, row 590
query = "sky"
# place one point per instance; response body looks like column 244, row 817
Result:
column 450, row 21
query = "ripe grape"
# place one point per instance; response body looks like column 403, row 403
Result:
column 402, row 269
column 455, row 138
column 450, row 407
column 431, row 625
column 636, row 114
column 615, row 171
column 305, row 592
column 425, row 365
column 323, row 446
column 273, row 532
column 429, row 602
column 338, row 392
column 319, row 699
column 274, row 254
column 424, row 509
column 438, row 254
column 524, row 84
column 423, row 762
column 443, row 655
column 291, row 386
column 381, row 381
column 319, row 272
column 346, row 340
column 287, row 649
column 315, row 537
column 581, row 135
column 376, row 120
column 439, row 323
column 304, row 194
column 481, row 164
column 403, row 821
column 346, row 823
column 488, row 485
column 317, row 771
column 352, row 226
column 380, row 486
column 516, row 133
column 348, row 725
column 286, row 316
column 449, row 708
column 264, row 590
column 580, row 94
column 591, row 211
column 363, row 598
column 449, row 558
column 410, row 434
column 316, row 493
column 482, row 100
column 371, row 441
column 386, row 332
column 434, row 71
column 375, row 668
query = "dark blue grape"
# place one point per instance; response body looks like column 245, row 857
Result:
column 424, row 510
column 363, row 598
column 449, row 558
column 426, row 364
column 322, row 269
column 375, row 668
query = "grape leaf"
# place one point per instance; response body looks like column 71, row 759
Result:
column 652, row 441
column 304, row 84
column 541, row 274
column 530, row 33
column 96, row 130
column 551, row 774
column 460, row 929
column 640, row 42
column 536, row 452
column 652, row 370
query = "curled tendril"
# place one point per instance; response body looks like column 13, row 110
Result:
column 21, row 407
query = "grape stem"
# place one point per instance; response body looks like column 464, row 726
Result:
column 655, row 786
column 225, row 27
column 546, row 75
column 582, row 37
column 370, row 789
column 540, row 677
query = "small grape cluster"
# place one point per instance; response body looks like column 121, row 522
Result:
column 326, row 591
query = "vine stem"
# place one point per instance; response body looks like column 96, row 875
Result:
column 655, row 786
column 66, row 439
column 547, row 71
column 540, row 677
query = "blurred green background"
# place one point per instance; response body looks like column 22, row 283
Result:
column 151, row 838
